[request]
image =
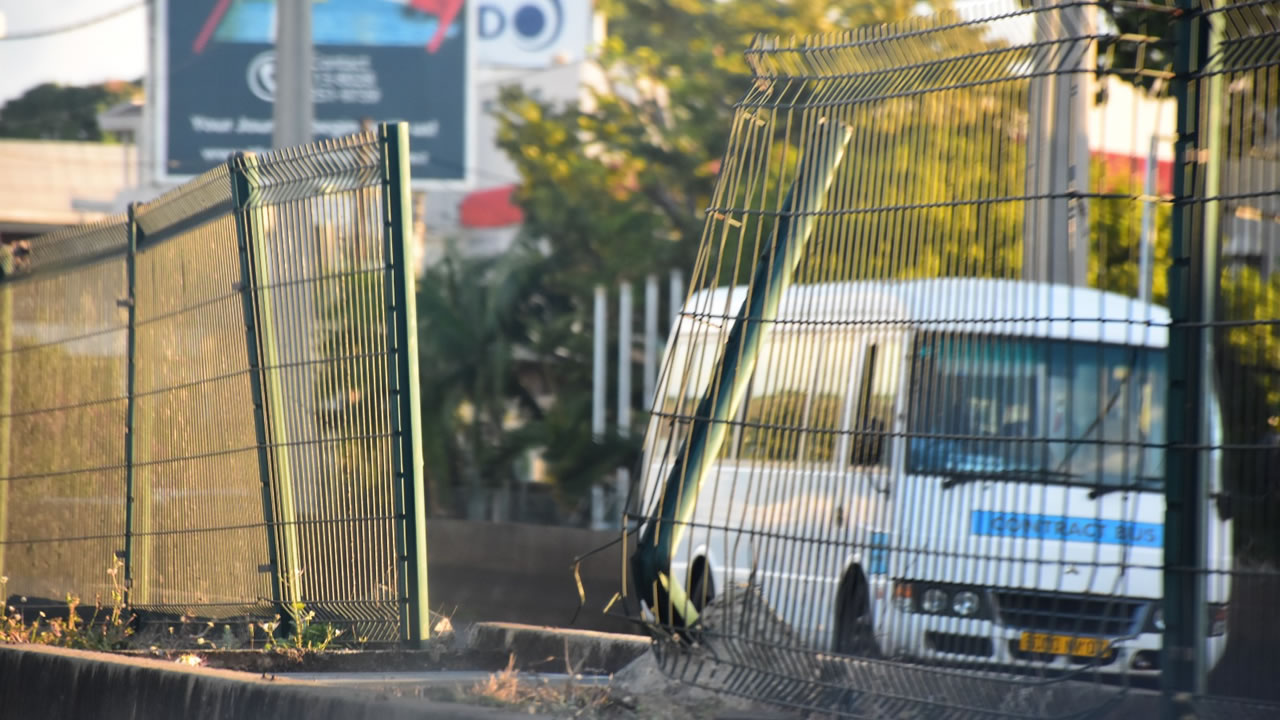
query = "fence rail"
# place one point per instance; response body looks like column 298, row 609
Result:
column 219, row 392
column 961, row 418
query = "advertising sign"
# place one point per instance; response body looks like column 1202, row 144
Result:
column 531, row 33
column 375, row 61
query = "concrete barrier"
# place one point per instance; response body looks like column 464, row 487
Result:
column 38, row 683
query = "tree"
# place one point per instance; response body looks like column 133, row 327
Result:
column 63, row 112
column 503, row 367
column 617, row 188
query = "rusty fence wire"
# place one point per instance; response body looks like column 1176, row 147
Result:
column 969, row 411
column 210, row 405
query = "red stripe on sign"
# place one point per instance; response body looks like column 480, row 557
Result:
column 445, row 10
column 210, row 25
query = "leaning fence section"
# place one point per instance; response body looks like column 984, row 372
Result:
column 210, row 404
column 966, row 414
column 198, row 532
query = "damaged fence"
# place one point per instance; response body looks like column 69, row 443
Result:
column 971, row 408
column 210, row 406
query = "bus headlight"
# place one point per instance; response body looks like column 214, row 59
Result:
column 933, row 601
column 966, row 603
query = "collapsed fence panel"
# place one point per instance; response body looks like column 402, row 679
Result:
column 217, row 394
column 909, row 449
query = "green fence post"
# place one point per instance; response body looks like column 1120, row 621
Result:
column 405, row 400
column 268, row 396
column 1193, row 282
column 7, row 267
column 137, row 514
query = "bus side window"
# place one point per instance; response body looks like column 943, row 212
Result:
column 873, row 413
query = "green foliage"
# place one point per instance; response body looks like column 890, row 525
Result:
column 504, row 368
column 109, row 627
column 1247, row 354
column 612, row 190
column 1116, row 234
column 307, row 635
column 351, row 390
column 62, row 112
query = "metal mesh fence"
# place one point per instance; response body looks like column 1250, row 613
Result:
column 936, row 434
column 322, row 291
column 1229, row 234
column 220, row 391
column 199, row 534
column 64, row 368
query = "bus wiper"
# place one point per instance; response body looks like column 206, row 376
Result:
column 1140, row 483
column 1028, row 474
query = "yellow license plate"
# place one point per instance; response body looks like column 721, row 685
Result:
column 1063, row 645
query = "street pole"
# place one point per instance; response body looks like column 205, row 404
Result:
column 1145, row 250
column 599, row 386
column 1056, row 222
column 293, row 112
column 650, row 337
column 625, row 316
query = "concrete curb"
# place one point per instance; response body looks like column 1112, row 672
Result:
column 41, row 682
column 546, row 648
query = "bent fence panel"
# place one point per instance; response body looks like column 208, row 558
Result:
column 218, row 395
column 947, row 339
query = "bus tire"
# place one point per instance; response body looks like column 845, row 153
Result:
column 854, row 632
column 702, row 587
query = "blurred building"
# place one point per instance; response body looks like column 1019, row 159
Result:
column 49, row 184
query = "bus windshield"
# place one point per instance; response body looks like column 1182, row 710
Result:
column 1038, row 410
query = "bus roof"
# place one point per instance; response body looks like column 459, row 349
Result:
column 976, row 305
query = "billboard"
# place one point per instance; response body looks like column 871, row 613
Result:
column 531, row 33
column 375, row 60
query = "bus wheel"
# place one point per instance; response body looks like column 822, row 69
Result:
column 702, row 588
column 854, row 632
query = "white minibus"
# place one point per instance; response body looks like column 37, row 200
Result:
column 961, row 471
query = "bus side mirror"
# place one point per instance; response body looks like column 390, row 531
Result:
column 1226, row 505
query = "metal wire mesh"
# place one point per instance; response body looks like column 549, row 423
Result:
column 218, row 393
column 200, row 535
column 64, row 369
column 319, row 223
column 1235, row 199
column 908, row 453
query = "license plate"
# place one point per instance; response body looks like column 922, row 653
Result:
column 1051, row 644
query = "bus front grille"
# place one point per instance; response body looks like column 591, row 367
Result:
column 1070, row 614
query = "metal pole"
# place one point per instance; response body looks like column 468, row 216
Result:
column 599, row 388
column 1192, row 286
column 293, row 111
column 625, row 318
column 1056, row 223
column 650, row 338
column 6, row 398
column 663, row 531
column 675, row 295
column 1145, row 250
column 267, row 394
column 599, row 372
column 625, row 311
column 133, row 559
column 406, row 397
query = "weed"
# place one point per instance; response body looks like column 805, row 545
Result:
column 107, row 628
column 508, row 688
